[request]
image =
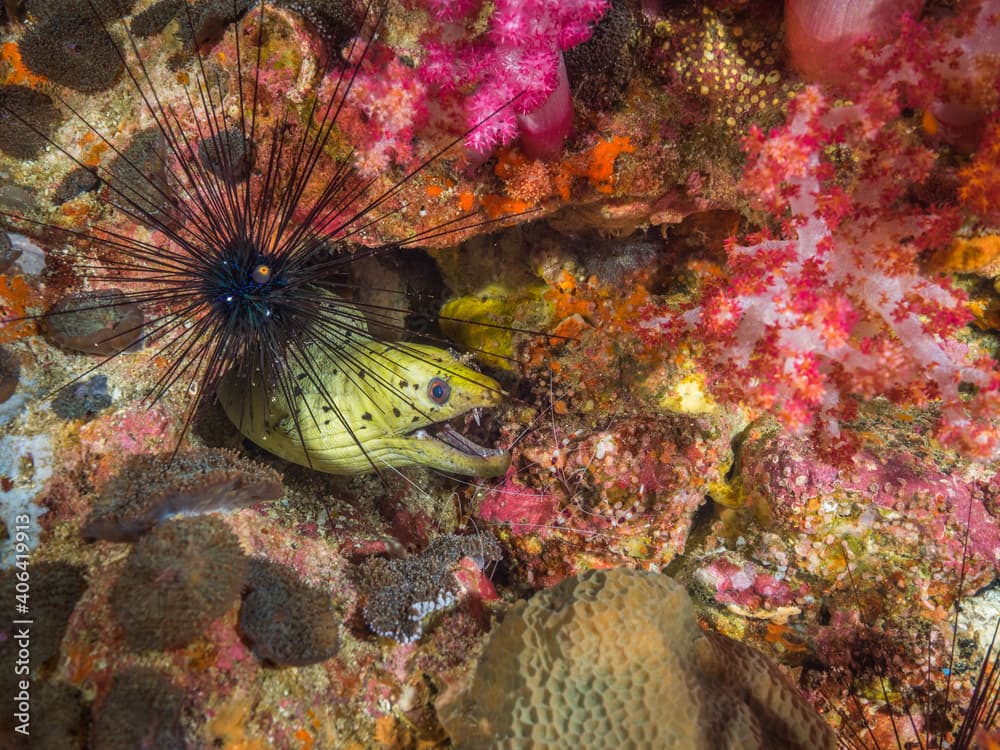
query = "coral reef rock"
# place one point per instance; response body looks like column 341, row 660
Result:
column 10, row 373
column 82, row 400
column 404, row 592
column 97, row 322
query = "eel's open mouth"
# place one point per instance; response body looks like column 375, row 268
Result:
column 448, row 433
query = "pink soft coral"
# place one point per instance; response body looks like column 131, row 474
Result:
column 512, row 69
column 836, row 307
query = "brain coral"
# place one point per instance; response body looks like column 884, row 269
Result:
column 179, row 577
column 614, row 659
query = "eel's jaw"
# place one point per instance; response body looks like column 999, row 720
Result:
column 443, row 447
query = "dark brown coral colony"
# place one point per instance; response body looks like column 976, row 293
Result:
column 177, row 579
column 151, row 489
column 287, row 622
column 67, row 45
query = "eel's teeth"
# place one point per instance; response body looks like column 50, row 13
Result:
column 477, row 414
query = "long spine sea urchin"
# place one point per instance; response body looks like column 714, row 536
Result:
column 248, row 218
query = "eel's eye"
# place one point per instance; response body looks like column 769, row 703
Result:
column 262, row 274
column 439, row 391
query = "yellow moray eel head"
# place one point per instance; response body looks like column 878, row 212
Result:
column 373, row 405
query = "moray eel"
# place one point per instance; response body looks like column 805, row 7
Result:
column 369, row 405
